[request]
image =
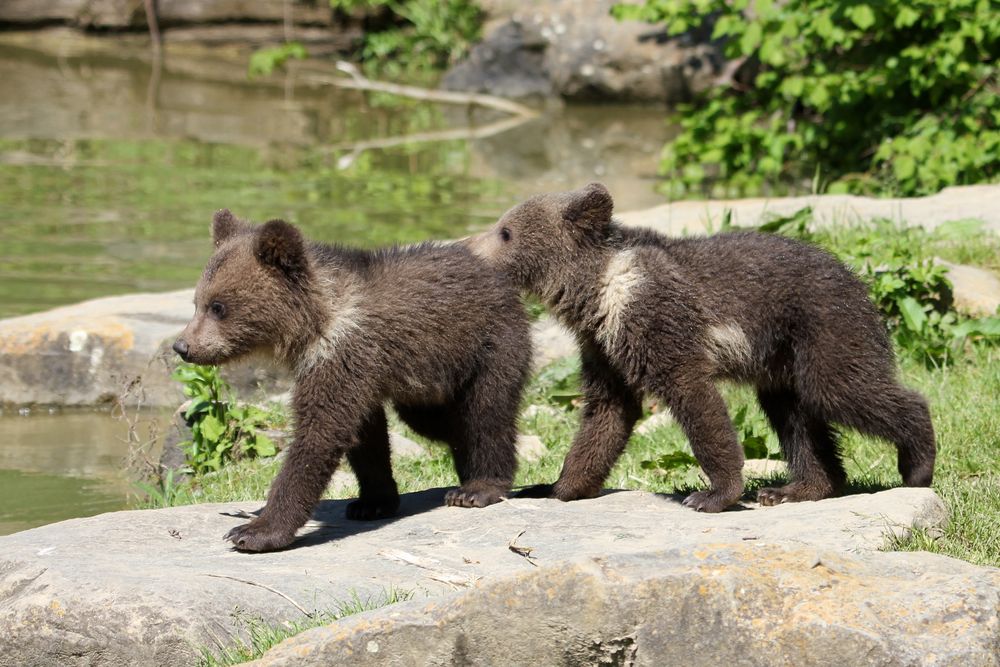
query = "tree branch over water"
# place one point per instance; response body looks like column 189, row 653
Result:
column 356, row 81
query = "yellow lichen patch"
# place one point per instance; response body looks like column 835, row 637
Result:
column 114, row 334
column 25, row 341
column 57, row 608
column 31, row 339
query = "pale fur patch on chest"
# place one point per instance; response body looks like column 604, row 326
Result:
column 729, row 346
column 619, row 285
column 345, row 319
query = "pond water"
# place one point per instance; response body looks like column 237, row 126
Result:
column 111, row 168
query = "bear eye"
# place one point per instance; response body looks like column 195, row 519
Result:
column 505, row 234
column 218, row 309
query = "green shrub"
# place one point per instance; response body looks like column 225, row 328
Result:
column 896, row 96
column 421, row 34
column 221, row 428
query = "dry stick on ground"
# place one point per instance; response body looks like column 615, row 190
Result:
column 265, row 587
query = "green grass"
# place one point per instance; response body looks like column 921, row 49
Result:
column 261, row 636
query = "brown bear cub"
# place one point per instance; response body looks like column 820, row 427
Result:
column 431, row 328
column 670, row 317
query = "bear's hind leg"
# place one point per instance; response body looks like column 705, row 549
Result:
column 901, row 416
column 370, row 460
column 810, row 448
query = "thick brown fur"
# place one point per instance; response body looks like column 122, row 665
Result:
column 430, row 328
column 670, row 317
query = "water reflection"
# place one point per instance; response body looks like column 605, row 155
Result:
column 60, row 466
column 109, row 171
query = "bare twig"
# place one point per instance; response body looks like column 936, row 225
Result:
column 356, row 81
column 137, row 460
column 265, row 587
column 464, row 133
column 524, row 552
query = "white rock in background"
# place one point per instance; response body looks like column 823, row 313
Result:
column 403, row 447
column 530, row 447
column 654, row 421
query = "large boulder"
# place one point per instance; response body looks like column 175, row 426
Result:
column 155, row 587
column 735, row 604
column 578, row 51
column 87, row 353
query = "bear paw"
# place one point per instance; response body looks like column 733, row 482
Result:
column 713, row 500
column 475, row 494
column 259, row 535
column 370, row 509
column 792, row 493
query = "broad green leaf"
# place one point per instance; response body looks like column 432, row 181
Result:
column 196, row 407
column 212, row 429
column 904, row 167
column 863, row 16
column 913, row 314
column 675, row 460
column 264, row 446
column 751, row 38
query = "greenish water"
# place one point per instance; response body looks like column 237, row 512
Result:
column 110, row 171
column 60, row 465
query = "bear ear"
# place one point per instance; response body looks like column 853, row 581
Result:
column 281, row 245
column 590, row 206
column 226, row 225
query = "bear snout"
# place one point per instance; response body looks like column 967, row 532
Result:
column 181, row 348
column 484, row 245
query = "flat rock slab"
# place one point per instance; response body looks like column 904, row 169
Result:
column 976, row 202
column 154, row 587
column 733, row 604
column 84, row 354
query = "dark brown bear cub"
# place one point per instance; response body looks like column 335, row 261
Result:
column 431, row 328
column 670, row 317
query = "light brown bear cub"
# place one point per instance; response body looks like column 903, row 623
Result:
column 670, row 317
column 430, row 328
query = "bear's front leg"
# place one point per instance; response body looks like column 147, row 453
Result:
column 610, row 411
column 371, row 461
column 326, row 424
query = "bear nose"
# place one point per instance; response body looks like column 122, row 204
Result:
column 181, row 347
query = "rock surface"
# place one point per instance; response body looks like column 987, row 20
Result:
column 578, row 51
column 83, row 354
column 153, row 587
column 978, row 202
column 740, row 604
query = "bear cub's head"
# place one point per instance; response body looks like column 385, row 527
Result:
column 546, row 232
column 256, row 289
